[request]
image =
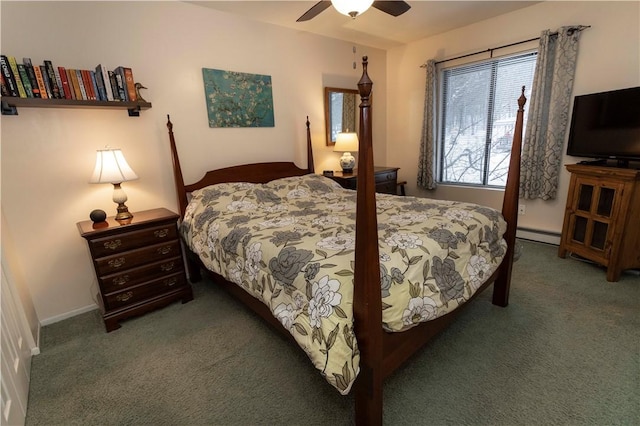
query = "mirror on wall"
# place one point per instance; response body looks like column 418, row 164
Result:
column 340, row 112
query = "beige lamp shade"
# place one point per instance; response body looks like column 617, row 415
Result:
column 346, row 142
column 111, row 167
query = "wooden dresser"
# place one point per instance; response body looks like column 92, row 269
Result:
column 602, row 217
column 139, row 265
column 386, row 179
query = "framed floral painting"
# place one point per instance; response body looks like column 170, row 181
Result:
column 236, row 99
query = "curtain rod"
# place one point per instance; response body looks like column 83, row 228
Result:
column 577, row 28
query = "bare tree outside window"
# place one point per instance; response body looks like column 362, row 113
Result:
column 478, row 110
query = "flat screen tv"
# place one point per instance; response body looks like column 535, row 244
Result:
column 606, row 125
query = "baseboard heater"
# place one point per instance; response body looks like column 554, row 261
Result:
column 539, row 235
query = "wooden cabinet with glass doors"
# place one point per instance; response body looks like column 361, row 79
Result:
column 602, row 218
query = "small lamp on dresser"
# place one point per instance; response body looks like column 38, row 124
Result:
column 347, row 142
column 111, row 167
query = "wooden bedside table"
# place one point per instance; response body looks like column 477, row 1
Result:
column 139, row 266
column 386, row 179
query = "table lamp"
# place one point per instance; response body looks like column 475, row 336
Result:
column 347, row 142
column 111, row 167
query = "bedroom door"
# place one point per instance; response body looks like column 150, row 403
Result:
column 16, row 358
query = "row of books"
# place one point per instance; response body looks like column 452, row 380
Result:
column 45, row 81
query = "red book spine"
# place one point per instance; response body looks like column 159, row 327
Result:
column 65, row 83
column 88, row 87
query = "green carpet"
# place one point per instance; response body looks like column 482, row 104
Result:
column 566, row 351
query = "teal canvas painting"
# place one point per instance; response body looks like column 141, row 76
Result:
column 236, row 99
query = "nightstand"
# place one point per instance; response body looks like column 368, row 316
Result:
column 386, row 179
column 139, row 266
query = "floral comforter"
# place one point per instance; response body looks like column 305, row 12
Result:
column 290, row 243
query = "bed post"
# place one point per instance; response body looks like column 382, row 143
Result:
column 310, row 165
column 367, row 305
column 177, row 171
column 510, row 210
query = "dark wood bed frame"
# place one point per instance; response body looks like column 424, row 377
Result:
column 380, row 352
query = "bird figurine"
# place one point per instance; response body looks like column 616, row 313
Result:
column 139, row 97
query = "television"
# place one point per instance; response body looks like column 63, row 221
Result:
column 606, row 126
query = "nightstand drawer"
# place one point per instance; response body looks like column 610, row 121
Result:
column 130, row 240
column 122, row 280
column 387, row 187
column 123, row 261
column 386, row 177
column 144, row 291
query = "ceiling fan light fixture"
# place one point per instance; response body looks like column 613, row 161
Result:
column 351, row 8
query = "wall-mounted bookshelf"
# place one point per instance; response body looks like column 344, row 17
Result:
column 10, row 104
column 47, row 86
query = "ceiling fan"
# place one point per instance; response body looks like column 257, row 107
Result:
column 354, row 8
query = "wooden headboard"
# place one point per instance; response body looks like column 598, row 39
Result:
column 254, row 173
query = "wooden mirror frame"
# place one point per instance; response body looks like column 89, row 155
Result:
column 328, row 91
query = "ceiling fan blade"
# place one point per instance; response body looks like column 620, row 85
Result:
column 316, row 9
column 394, row 8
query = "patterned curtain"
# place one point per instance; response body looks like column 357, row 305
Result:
column 548, row 113
column 426, row 169
column 349, row 112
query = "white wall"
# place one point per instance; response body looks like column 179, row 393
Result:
column 48, row 154
column 608, row 59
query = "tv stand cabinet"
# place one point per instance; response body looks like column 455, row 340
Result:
column 601, row 218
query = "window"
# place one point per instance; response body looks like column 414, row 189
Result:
column 478, row 115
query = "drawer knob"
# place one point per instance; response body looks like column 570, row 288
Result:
column 121, row 280
column 170, row 282
column 113, row 244
column 124, row 296
column 161, row 233
column 116, row 263
column 164, row 250
column 165, row 267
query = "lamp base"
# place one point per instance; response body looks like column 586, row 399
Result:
column 347, row 162
column 347, row 171
column 123, row 216
column 119, row 197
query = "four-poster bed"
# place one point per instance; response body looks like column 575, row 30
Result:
column 360, row 299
